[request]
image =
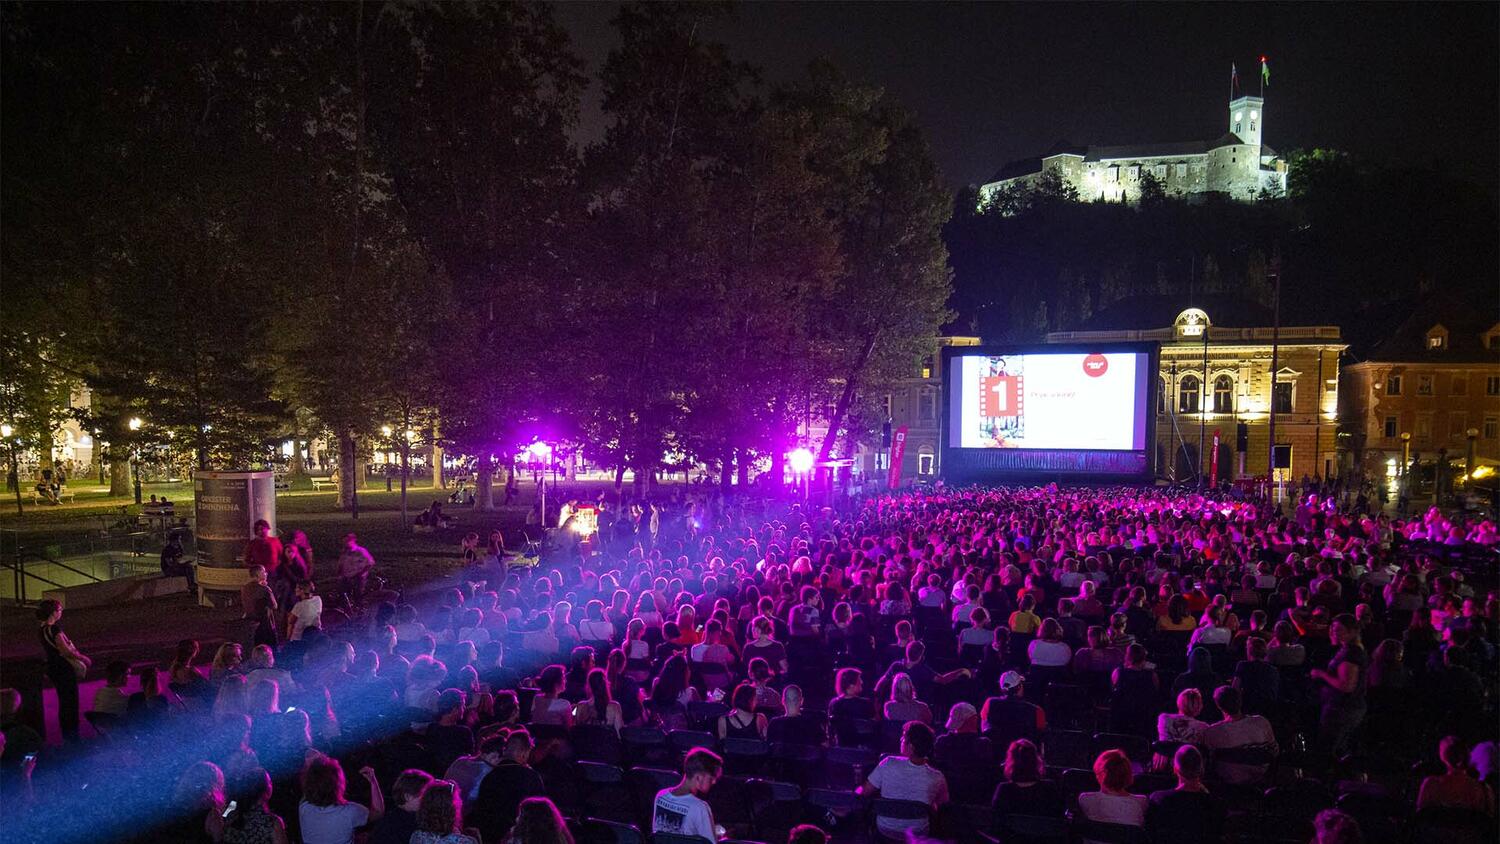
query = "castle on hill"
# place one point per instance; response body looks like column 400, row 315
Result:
column 1237, row 164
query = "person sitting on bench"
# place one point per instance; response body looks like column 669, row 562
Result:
column 174, row 562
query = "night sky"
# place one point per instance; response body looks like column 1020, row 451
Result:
column 993, row 82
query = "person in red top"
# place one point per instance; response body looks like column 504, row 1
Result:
column 264, row 549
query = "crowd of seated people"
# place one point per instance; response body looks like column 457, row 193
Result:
column 1026, row 664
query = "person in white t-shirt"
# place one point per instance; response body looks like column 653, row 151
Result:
column 326, row 817
column 682, row 810
column 307, row 612
column 908, row 777
column 1113, row 803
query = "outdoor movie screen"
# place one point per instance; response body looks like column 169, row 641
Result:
column 1064, row 400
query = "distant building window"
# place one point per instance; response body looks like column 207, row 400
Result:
column 1492, row 385
column 929, row 405
column 1133, row 173
column 1457, row 424
column 1393, row 385
column 1491, row 427
column 1460, row 384
column 1435, row 341
column 1236, row 127
column 888, row 402
column 1424, row 385
column 1182, row 171
column 1252, row 123
column 1223, row 394
column 1424, row 426
column 1188, row 393
column 1390, row 427
column 1159, row 171
column 1281, row 397
column 1112, row 174
column 925, row 463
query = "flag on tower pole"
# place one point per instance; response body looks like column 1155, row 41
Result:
column 1234, row 79
column 1265, row 74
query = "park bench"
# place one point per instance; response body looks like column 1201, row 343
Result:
column 319, row 484
column 62, row 495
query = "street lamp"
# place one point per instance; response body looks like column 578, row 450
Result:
column 801, row 460
column 1405, row 486
column 13, row 474
column 1472, row 434
column 541, row 451
column 134, row 425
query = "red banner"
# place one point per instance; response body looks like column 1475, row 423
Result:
column 898, row 452
column 1213, row 474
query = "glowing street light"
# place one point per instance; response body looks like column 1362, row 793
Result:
column 385, row 431
column 6, row 429
column 801, row 461
column 539, row 450
column 135, row 423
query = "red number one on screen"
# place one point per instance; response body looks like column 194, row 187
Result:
column 1000, row 395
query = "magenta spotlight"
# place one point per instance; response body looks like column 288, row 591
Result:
column 539, row 450
column 801, row 461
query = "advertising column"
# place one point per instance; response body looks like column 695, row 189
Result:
column 228, row 505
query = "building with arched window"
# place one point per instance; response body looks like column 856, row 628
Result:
column 1216, row 375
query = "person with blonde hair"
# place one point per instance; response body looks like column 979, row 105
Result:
column 1183, row 726
column 903, row 705
column 1113, row 803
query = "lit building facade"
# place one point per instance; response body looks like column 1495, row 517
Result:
column 1426, row 392
column 1236, row 387
column 1237, row 164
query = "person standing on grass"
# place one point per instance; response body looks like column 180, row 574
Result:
column 264, row 550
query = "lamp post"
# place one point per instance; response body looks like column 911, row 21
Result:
column 1405, row 484
column 801, row 460
column 134, row 425
column 1472, row 434
column 542, row 451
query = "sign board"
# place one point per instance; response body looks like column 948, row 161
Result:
column 228, row 505
column 898, row 451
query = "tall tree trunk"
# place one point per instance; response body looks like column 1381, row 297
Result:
column 13, row 480
column 405, row 472
column 119, row 475
column 348, row 472
column 435, row 458
column 619, row 476
column 742, row 464
column 726, row 474
column 484, row 484
column 295, row 466
column 847, row 397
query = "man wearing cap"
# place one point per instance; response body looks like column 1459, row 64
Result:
column 962, row 746
column 1007, row 717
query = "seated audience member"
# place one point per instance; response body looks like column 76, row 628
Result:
column 1187, row 812
column 440, row 816
column 681, row 810
column 325, row 816
column 503, row 789
column 795, row 726
column 112, row 700
column 1241, row 732
column 903, row 705
column 908, row 777
column 400, row 820
column 1456, row 787
column 1257, row 679
column 1007, row 716
column 1025, row 790
column 1184, row 726
column 1113, row 803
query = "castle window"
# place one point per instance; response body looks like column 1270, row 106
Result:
column 1491, row 427
column 1390, row 427
column 1182, row 171
column 1424, row 385
column 1223, row 394
column 1159, row 171
column 1281, row 397
column 1492, row 385
column 1393, row 385
column 1188, row 393
column 1133, row 173
column 1437, row 337
column 1112, row 174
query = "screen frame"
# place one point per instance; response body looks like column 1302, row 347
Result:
column 1151, row 350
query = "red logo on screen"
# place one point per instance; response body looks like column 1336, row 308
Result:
column 1000, row 396
column 1095, row 365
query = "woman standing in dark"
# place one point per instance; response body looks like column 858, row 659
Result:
column 64, row 666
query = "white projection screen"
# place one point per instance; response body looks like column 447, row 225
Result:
column 1051, row 410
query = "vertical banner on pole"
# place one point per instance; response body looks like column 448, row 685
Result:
column 898, row 451
column 1213, row 477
